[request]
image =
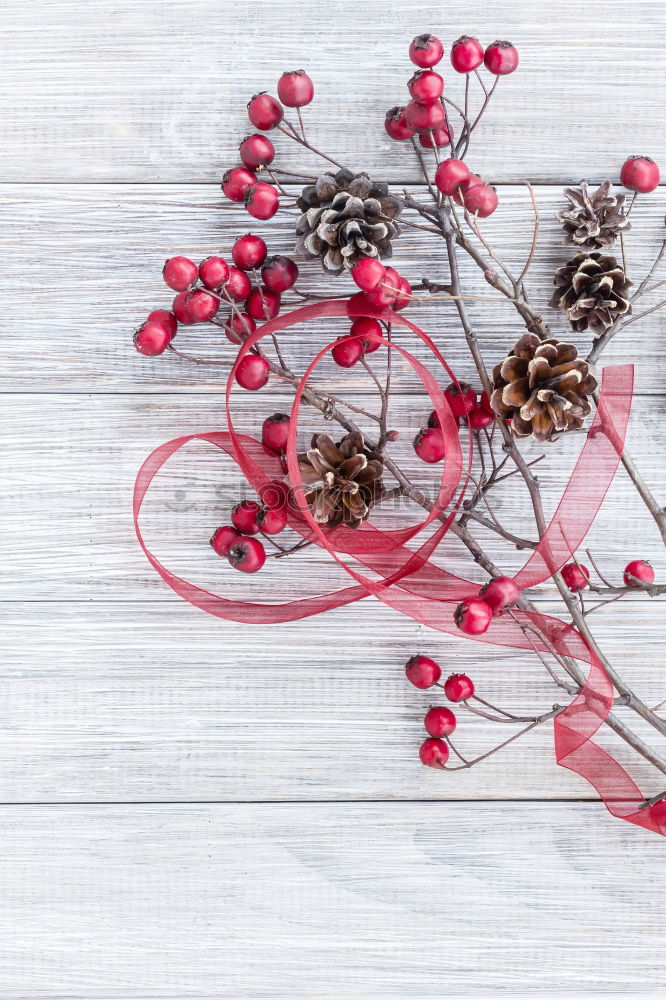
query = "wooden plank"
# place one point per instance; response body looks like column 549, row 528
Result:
column 71, row 461
column 145, row 92
column 152, row 702
column 380, row 900
column 104, row 246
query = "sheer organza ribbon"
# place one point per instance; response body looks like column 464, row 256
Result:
column 405, row 579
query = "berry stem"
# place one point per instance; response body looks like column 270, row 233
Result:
column 308, row 145
column 535, row 237
column 505, row 743
column 424, row 169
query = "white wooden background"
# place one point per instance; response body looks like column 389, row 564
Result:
column 193, row 809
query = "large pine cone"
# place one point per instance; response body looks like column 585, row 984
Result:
column 592, row 290
column 542, row 387
column 340, row 481
column 594, row 221
column 346, row 217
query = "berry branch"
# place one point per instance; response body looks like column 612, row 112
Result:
column 541, row 388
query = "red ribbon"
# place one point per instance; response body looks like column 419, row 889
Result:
column 406, row 580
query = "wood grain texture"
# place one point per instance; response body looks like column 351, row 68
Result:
column 71, row 462
column 152, row 92
column 193, row 809
column 381, row 900
column 154, row 702
column 99, row 251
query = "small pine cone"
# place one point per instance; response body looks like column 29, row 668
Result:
column 594, row 221
column 346, row 217
column 592, row 290
column 340, row 481
column 542, row 387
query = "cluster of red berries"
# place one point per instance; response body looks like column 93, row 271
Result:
column 380, row 288
column 453, row 177
column 439, row 721
column 466, row 407
column 577, row 577
column 202, row 289
column 295, row 90
column 236, row 541
column 474, row 615
column 425, row 114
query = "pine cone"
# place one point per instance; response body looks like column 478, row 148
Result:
column 341, row 481
column 592, row 290
column 542, row 387
column 346, row 217
column 594, row 220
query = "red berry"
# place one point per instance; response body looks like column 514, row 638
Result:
column 179, row 273
column 386, row 292
column 252, row 372
column 422, row 672
column 275, row 431
column 472, row 616
column 459, row 193
column 358, row 305
column 396, row 126
column 450, row 174
column 262, row 201
column 426, row 86
column 152, row 338
column 238, row 327
column 263, row 304
column 249, row 252
column 279, row 274
column 347, row 351
column 223, row 538
column 484, row 403
column 272, row 521
column 368, row 273
column 439, row 721
column 429, row 445
column 501, row 58
column 391, row 285
column 499, row 593
column 461, row 398
column 437, row 137
column 166, row 318
column 638, row 569
column 466, row 54
column 237, row 182
column 180, row 310
column 238, row 285
column 640, row 173
column 458, row 687
column 405, row 295
column 295, row 89
column 575, row 577
column 264, row 112
column 213, row 272
column 201, row 306
column 422, row 117
column 363, row 327
column 275, row 495
column 479, row 417
column 433, row 752
column 480, row 199
column 244, row 517
column 248, row 555
column 256, row 151
column 426, row 51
